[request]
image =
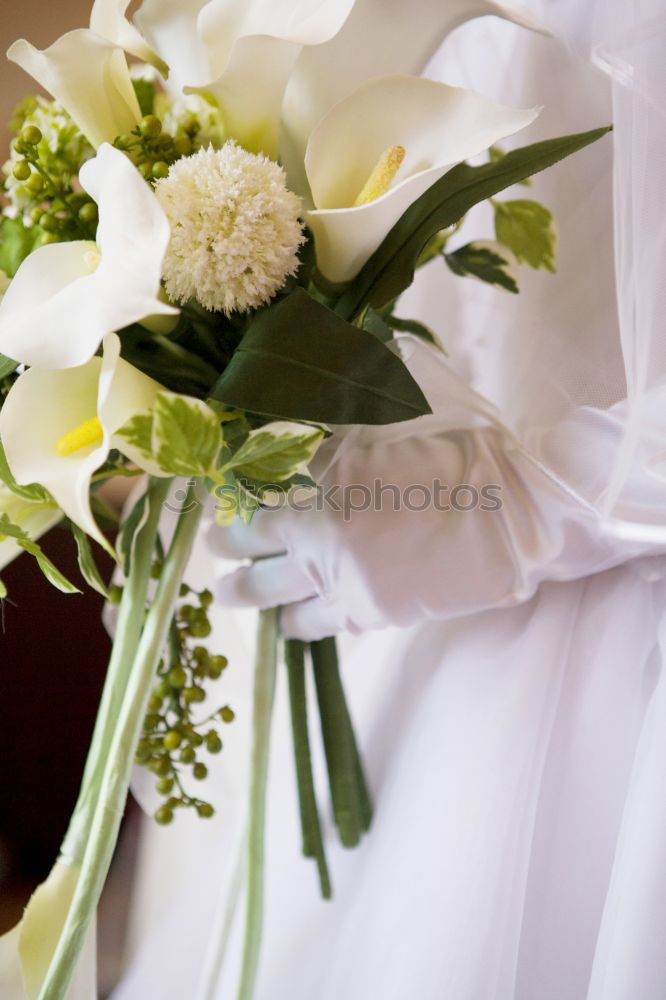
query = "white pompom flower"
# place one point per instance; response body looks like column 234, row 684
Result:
column 235, row 228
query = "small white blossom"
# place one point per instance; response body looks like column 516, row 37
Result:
column 235, row 228
column 192, row 115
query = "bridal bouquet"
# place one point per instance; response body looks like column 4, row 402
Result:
column 201, row 252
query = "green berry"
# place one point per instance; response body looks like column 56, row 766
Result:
column 151, row 721
column 172, row 739
column 163, row 690
column 213, row 743
column 206, row 598
column 164, row 815
column 154, row 703
column 194, row 694
column 227, row 714
column 124, row 141
column 146, row 171
column 200, row 629
column 182, row 145
column 199, row 771
column 88, row 212
column 205, row 810
column 200, row 654
column 49, row 223
column 164, row 785
column 143, row 752
column 150, row 126
column 216, row 666
column 21, row 170
column 160, row 766
column 31, row 135
column 187, row 755
column 160, row 169
column 184, row 590
column 35, row 183
column 177, row 677
column 187, row 613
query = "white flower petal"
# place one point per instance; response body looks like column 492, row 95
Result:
column 379, row 37
column 170, row 26
column 56, row 312
column 107, row 18
column 437, row 125
column 89, row 77
column 42, row 406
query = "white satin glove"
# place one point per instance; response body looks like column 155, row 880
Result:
column 511, row 521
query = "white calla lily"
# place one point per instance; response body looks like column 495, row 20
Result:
column 379, row 37
column 57, row 427
column 241, row 53
column 66, row 297
column 429, row 125
column 107, row 18
column 89, row 76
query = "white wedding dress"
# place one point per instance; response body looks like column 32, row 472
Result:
column 517, row 754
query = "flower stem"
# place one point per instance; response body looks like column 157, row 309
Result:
column 352, row 809
column 313, row 845
column 127, row 633
column 264, row 689
column 116, row 772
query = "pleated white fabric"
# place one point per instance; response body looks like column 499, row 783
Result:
column 517, row 755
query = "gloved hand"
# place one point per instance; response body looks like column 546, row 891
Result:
column 435, row 518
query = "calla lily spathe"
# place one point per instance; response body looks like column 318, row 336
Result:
column 436, row 125
column 44, row 408
column 241, row 52
column 107, row 18
column 88, row 75
column 378, row 37
column 66, row 297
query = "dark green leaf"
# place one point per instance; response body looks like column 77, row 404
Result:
column 145, row 93
column 300, row 361
column 391, row 268
column 413, row 326
column 482, row 262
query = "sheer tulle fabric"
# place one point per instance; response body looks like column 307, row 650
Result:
column 517, row 754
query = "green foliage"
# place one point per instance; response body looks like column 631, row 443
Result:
column 186, row 436
column 276, row 452
column 299, row 360
column 10, row 530
column 482, row 262
column 526, row 227
column 34, row 492
column 87, row 563
column 145, row 91
column 17, row 241
column 390, row 270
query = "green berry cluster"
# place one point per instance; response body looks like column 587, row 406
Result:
column 172, row 738
column 151, row 149
column 52, row 204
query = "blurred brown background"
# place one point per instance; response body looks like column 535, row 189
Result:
column 53, row 648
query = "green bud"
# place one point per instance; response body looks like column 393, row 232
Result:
column 21, row 170
column 205, row 810
column 88, row 212
column 35, row 183
column 150, row 126
column 151, row 721
column 216, row 666
column 49, row 223
column 124, row 141
column 36, row 213
column 194, row 694
column 164, row 785
column 227, row 714
column 172, row 739
column 31, row 135
column 164, row 815
column 187, row 755
column 205, row 598
column 163, row 690
column 182, row 146
column 146, row 170
column 160, row 169
column 200, row 629
column 184, row 590
column 177, row 677
column 213, row 743
column 199, row 771
column 143, row 753
column 160, row 766
column 154, row 703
